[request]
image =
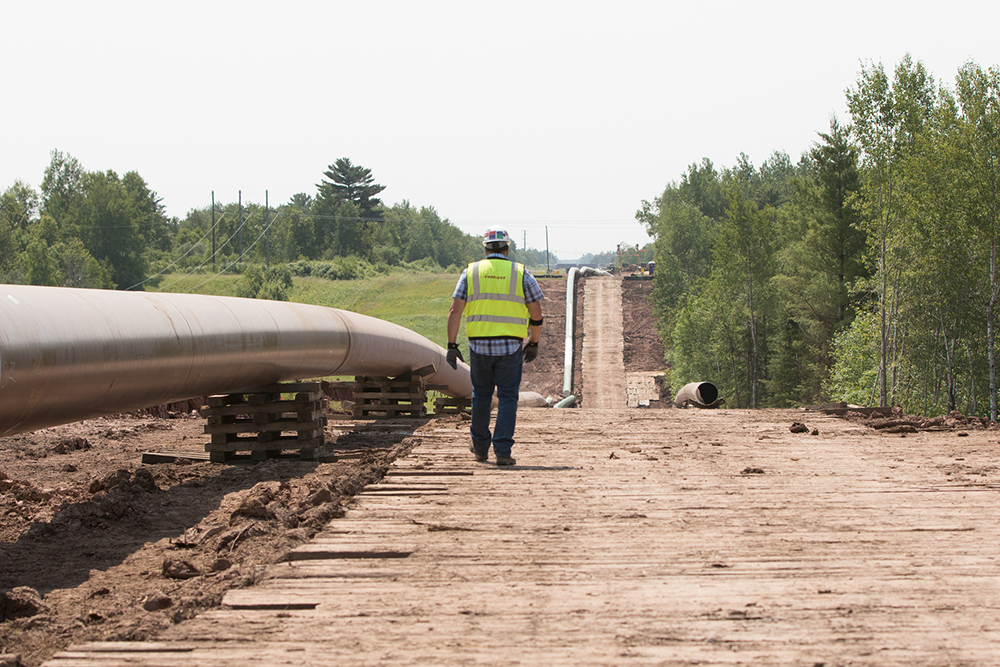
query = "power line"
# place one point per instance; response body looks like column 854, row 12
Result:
column 531, row 225
column 448, row 221
column 189, row 250
column 235, row 261
column 209, row 258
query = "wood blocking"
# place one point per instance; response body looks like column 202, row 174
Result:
column 266, row 421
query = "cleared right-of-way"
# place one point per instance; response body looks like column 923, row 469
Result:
column 646, row 537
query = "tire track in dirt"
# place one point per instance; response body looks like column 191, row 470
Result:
column 603, row 344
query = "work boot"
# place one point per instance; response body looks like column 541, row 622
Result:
column 479, row 457
column 505, row 461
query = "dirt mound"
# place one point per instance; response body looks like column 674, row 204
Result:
column 96, row 546
column 898, row 422
column 643, row 349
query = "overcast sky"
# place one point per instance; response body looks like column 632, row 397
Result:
column 560, row 115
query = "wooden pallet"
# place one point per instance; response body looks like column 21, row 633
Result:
column 260, row 421
column 447, row 405
column 376, row 396
column 403, row 396
column 641, row 390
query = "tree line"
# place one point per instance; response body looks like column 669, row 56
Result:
column 866, row 271
column 99, row 230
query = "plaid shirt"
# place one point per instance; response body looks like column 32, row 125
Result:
column 498, row 347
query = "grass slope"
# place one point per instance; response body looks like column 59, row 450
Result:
column 418, row 302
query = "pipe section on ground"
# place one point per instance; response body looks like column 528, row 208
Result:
column 71, row 354
column 567, row 402
column 699, row 395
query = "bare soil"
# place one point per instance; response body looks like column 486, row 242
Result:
column 643, row 349
column 96, row 546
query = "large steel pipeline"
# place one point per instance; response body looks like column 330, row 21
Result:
column 71, row 354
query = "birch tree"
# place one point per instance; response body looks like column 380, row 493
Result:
column 887, row 117
column 978, row 159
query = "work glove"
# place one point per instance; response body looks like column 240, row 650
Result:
column 454, row 354
column 530, row 352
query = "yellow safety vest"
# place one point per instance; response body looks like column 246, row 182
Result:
column 495, row 307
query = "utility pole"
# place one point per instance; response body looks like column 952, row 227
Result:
column 524, row 244
column 213, row 229
column 241, row 224
column 267, row 231
column 547, row 269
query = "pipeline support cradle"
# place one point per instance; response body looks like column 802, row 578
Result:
column 261, row 422
column 387, row 397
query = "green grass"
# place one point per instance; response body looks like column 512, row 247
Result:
column 418, row 302
column 192, row 284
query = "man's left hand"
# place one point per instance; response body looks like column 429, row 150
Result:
column 530, row 352
column 454, row 355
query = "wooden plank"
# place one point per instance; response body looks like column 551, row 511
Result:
column 219, row 400
column 309, row 419
column 171, row 457
column 391, row 410
column 348, row 550
column 417, row 373
column 264, row 599
column 384, row 395
column 397, row 382
column 372, row 378
column 448, row 401
column 263, row 399
column 884, row 412
column 276, row 426
column 284, row 388
column 277, row 407
column 247, row 444
column 430, row 474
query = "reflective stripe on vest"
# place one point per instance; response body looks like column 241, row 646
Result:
column 495, row 307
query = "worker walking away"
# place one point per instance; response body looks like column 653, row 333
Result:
column 501, row 303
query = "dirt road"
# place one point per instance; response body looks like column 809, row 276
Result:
column 603, row 361
column 636, row 537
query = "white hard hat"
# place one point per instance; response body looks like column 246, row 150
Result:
column 496, row 235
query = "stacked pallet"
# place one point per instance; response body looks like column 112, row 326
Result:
column 640, row 389
column 447, row 405
column 377, row 396
column 261, row 422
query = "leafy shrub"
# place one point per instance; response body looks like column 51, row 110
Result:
column 339, row 268
column 387, row 255
column 260, row 283
column 425, row 265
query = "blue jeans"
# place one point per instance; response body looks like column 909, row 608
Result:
column 503, row 373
